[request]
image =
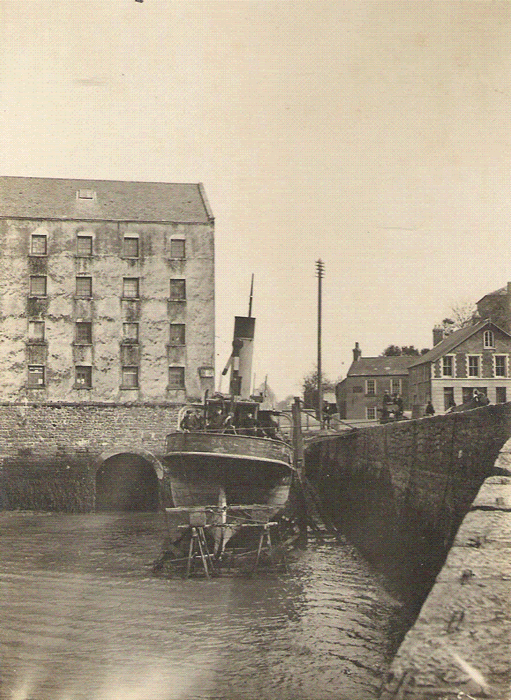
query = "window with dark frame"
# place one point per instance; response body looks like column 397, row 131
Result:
column 130, row 247
column 83, row 335
column 83, row 377
column 84, row 286
column 84, row 246
column 177, row 290
column 38, row 244
column 500, row 394
column 448, row 397
column 130, row 332
column 36, row 375
column 130, row 288
column 130, row 377
column 177, row 248
column 500, row 366
column 395, row 386
column 371, row 413
column 474, row 365
column 177, row 334
column 176, row 377
column 36, row 331
column 38, row 286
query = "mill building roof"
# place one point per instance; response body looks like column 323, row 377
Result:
column 102, row 200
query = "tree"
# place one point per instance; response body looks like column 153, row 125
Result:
column 463, row 314
column 397, row 350
column 310, row 388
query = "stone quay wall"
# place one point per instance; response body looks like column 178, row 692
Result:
column 49, row 453
column 400, row 491
column 431, row 500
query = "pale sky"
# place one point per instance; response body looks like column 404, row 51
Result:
column 375, row 135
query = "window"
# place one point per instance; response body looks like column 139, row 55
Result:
column 370, row 387
column 130, row 247
column 500, row 365
column 474, row 365
column 371, row 413
column 500, row 394
column 38, row 286
column 86, row 194
column 83, row 377
column 36, row 375
column 488, row 340
column 130, row 332
column 38, row 245
column 176, row 377
column 178, row 290
column 84, row 332
column 130, row 377
column 36, row 331
column 395, row 386
column 130, row 288
column 177, row 248
column 84, row 246
column 84, row 286
column 177, row 334
column 448, row 397
column 447, row 366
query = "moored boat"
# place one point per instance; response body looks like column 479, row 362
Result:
column 228, row 459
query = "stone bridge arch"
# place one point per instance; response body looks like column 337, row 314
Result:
column 127, row 479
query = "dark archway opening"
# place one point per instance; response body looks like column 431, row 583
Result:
column 126, row 482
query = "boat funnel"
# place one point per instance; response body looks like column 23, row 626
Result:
column 241, row 359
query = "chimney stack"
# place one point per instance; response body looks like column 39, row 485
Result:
column 357, row 353
column 438, row 335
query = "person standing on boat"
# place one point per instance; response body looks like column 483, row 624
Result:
column 216, row 421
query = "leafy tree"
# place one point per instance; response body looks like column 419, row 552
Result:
column 310, row 388
column 397, row 350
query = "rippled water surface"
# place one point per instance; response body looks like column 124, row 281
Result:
column 83, row 618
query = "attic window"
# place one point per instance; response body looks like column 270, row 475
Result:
column 86, row 194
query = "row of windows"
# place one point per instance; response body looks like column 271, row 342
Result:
column 83, row 332
column 474, row 365
column 83, row 377
column 84, row 246
column 467, row 393
column 130, row 287
column 371, row 386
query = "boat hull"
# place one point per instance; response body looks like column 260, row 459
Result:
column 248, row 469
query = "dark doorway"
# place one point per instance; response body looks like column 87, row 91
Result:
column 126, row 482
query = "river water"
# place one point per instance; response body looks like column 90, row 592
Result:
column 84, row 618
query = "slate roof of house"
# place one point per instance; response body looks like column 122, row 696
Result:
column 453, row 340
column 53, row 198
column 380, row 366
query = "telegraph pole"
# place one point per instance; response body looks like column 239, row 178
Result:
column 320, row 271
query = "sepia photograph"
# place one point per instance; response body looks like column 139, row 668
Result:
column 255, row 350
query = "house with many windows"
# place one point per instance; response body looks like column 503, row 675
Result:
column 474, row 357
column 360, row 394
column 107, row 291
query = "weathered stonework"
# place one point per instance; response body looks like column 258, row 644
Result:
column 50, row 453
column 429, row 501
column 48, row 213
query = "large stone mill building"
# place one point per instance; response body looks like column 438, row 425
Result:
column 106, row 323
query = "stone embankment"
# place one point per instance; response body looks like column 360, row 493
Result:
column 459, row 646
column 429, row 502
